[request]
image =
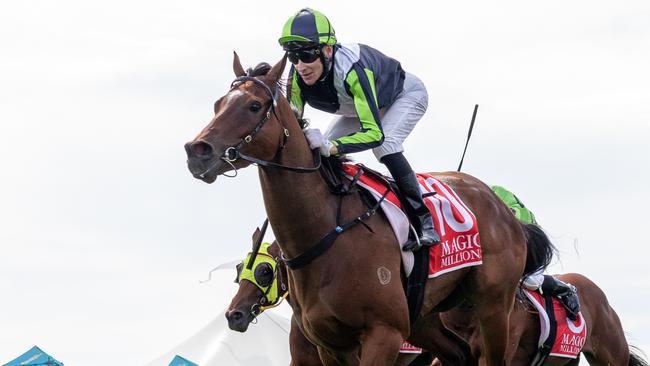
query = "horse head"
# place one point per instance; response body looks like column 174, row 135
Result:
column 262, row 285
column 245, row 121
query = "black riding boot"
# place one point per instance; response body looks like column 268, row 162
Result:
column 411, row 197
column 567, row 294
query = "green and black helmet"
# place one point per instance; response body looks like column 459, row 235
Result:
column 306, row 28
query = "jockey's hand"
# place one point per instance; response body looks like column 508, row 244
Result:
column 318, row 141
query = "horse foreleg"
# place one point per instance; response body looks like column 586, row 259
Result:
column 303, row 353
column 380, row 346
column 349, row 358
column 494, row 323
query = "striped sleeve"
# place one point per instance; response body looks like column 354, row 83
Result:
column 294, row 94
column 361, row 85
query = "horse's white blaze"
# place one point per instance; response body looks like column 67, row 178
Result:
column 230, row 98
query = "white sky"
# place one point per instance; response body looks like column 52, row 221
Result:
column 104, row 234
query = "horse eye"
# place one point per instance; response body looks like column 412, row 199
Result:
column 255, row 107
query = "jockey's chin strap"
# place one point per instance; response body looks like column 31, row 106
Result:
column 233, row 153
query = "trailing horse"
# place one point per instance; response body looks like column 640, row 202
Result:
column 265, row 284
column 604, row 344
column 349, row 300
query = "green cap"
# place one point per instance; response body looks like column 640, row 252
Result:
column 308, row 26
column 520, row 211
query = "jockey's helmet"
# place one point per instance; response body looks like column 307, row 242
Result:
column 307, row 28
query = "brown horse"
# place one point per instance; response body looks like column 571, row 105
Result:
column 349, row 300
column 251, row 300
column 605, row 341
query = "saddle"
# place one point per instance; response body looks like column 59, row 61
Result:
column 460, row 242
column 561, row 336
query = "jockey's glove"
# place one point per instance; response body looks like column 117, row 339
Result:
column 318, row 141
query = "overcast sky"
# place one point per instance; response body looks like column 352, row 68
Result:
column 104, row 234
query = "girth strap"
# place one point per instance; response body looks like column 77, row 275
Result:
column 328, row 240
column 545, row 349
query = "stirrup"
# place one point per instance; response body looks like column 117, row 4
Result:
column 414, row 243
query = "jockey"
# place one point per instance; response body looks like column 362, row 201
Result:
column 378, row 104
column 567, row 293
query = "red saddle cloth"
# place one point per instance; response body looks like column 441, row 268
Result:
column 460, row 244
column 570, row 336
column 409, row 348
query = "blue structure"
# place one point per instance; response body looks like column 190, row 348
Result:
column 34, row 357
column 180, row 361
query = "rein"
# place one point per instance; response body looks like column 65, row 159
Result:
column 233, row 153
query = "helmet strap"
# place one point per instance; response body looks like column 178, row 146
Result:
column 327, row 63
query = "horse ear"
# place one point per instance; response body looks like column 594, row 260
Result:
column 256, row 235
column 276, row 71
column 236, row 66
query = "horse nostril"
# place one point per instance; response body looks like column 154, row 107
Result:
column 199, row 149
column 236, row 315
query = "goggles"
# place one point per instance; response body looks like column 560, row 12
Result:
column 306, row 55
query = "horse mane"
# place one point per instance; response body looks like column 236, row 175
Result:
column 260, row 69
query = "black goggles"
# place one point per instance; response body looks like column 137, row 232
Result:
column 306, row 55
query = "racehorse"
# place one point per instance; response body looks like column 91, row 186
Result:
column 253, row 297
column 605, row 342
column 349, row 300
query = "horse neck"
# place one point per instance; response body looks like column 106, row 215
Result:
column 299, row 205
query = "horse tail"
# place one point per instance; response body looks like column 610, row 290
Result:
column 540, row 249
column 635, row 359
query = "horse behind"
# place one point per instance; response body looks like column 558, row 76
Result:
column 605, row 342
column 252, row 299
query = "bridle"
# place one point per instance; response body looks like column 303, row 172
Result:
column 233, row 153
column 263, row 303
column 283, row 292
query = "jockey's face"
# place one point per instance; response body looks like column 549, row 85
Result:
column 312, row 71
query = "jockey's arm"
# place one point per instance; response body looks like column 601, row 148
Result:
column 361, row 86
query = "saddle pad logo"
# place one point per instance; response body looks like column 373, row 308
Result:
column 571, row 335
column 460, row 244
column 409, row 348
